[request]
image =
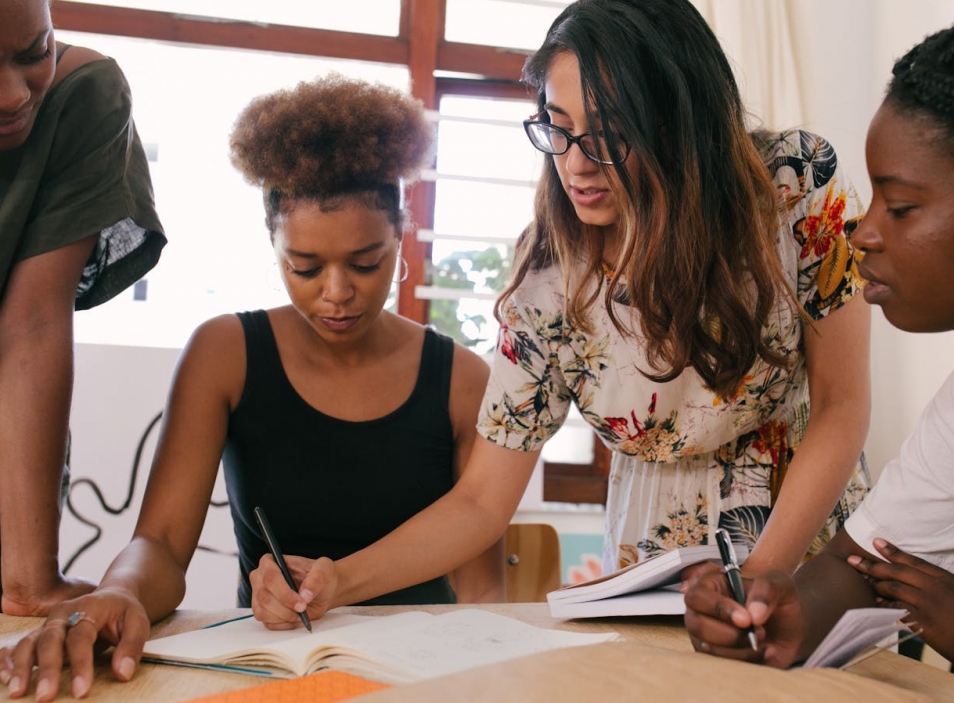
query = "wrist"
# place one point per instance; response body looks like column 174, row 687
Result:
column 39, row 574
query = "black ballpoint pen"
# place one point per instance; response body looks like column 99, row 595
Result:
column 279, row 558
column 734, row 578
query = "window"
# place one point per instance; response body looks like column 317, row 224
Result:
column 380, row 17
column 519, row 24
column 218, row 259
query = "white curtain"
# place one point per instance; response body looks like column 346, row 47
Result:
column 757, row 36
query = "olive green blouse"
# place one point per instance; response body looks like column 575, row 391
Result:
column 81, row 171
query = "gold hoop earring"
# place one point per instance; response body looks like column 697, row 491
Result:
column 405, row 270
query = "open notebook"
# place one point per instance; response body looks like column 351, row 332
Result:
column 395, row 648
column 648, row 587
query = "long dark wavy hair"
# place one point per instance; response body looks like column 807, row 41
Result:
column 698, row 217
column 923, row 82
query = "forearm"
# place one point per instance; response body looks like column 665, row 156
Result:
column 814, row 482
column 147, row 571
column 828, row 586
column 483, row 579
column 36, row 378
column 434, row 542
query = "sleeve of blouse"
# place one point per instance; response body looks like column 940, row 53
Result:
column 822, row 222
column 526, row 400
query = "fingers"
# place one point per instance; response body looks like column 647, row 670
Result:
column 898, row 573
column 319, row 586
column 766, row 592
column 71, row 635
column 707, row 594
column 80, row 639
column 133, row 635
column 43, row 648
column 916, row 564
column 743, row 652
column 6, row 665
column 274, row 602
column 714, row 620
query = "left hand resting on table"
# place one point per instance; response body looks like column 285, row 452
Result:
column 107, row 616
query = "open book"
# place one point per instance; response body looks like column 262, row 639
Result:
column 394, row 648
column 649, row 587
column 856, row 631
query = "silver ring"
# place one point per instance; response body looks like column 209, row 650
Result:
column 78, row 617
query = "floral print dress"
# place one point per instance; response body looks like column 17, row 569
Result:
column 685, row 461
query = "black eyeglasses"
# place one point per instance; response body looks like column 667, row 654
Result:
column 551, row 139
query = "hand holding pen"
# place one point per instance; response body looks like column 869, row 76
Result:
column 279, row 558
column 734, row 578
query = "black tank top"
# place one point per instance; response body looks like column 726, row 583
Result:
column 331, row 487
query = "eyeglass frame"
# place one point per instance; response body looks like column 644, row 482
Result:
column 571, row 140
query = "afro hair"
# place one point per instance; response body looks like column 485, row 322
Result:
column 332, row 135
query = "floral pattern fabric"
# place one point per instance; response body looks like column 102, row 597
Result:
column 684, row 459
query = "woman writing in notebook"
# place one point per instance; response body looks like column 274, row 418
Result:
column 77, row 227
column 340, row 419
column 898, row 549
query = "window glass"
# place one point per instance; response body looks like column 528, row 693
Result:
column 218, row 259
column 518, row 24
column 484, row 198
column 380, row 17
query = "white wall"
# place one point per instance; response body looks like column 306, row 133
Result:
column 118, row 391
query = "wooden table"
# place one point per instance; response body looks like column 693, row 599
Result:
column 656, row 662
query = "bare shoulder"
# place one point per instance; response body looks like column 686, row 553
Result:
column 468, row 382
column 220, row 334
column 72, row 58
column 214, row 358
column 469, row 368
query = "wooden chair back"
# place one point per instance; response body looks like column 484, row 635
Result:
column 533, row 562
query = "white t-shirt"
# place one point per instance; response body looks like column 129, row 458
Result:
column 912, row 505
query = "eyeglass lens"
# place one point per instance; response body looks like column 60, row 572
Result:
column 553, row 140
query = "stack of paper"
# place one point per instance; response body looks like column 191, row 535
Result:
column 650, row 587
column 857, row 630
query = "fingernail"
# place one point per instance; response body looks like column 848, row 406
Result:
column 16, row 686
column 307, row 595
column 4, row 676
column 300, row 607
column 43, row 689
column 879, row 543
column 80, row 687
column 758, row 611
column 127, row 667
column 854, row 560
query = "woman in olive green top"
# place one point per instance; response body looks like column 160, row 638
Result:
column 77, row 226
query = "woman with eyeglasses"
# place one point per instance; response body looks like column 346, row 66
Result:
column 689, row 286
